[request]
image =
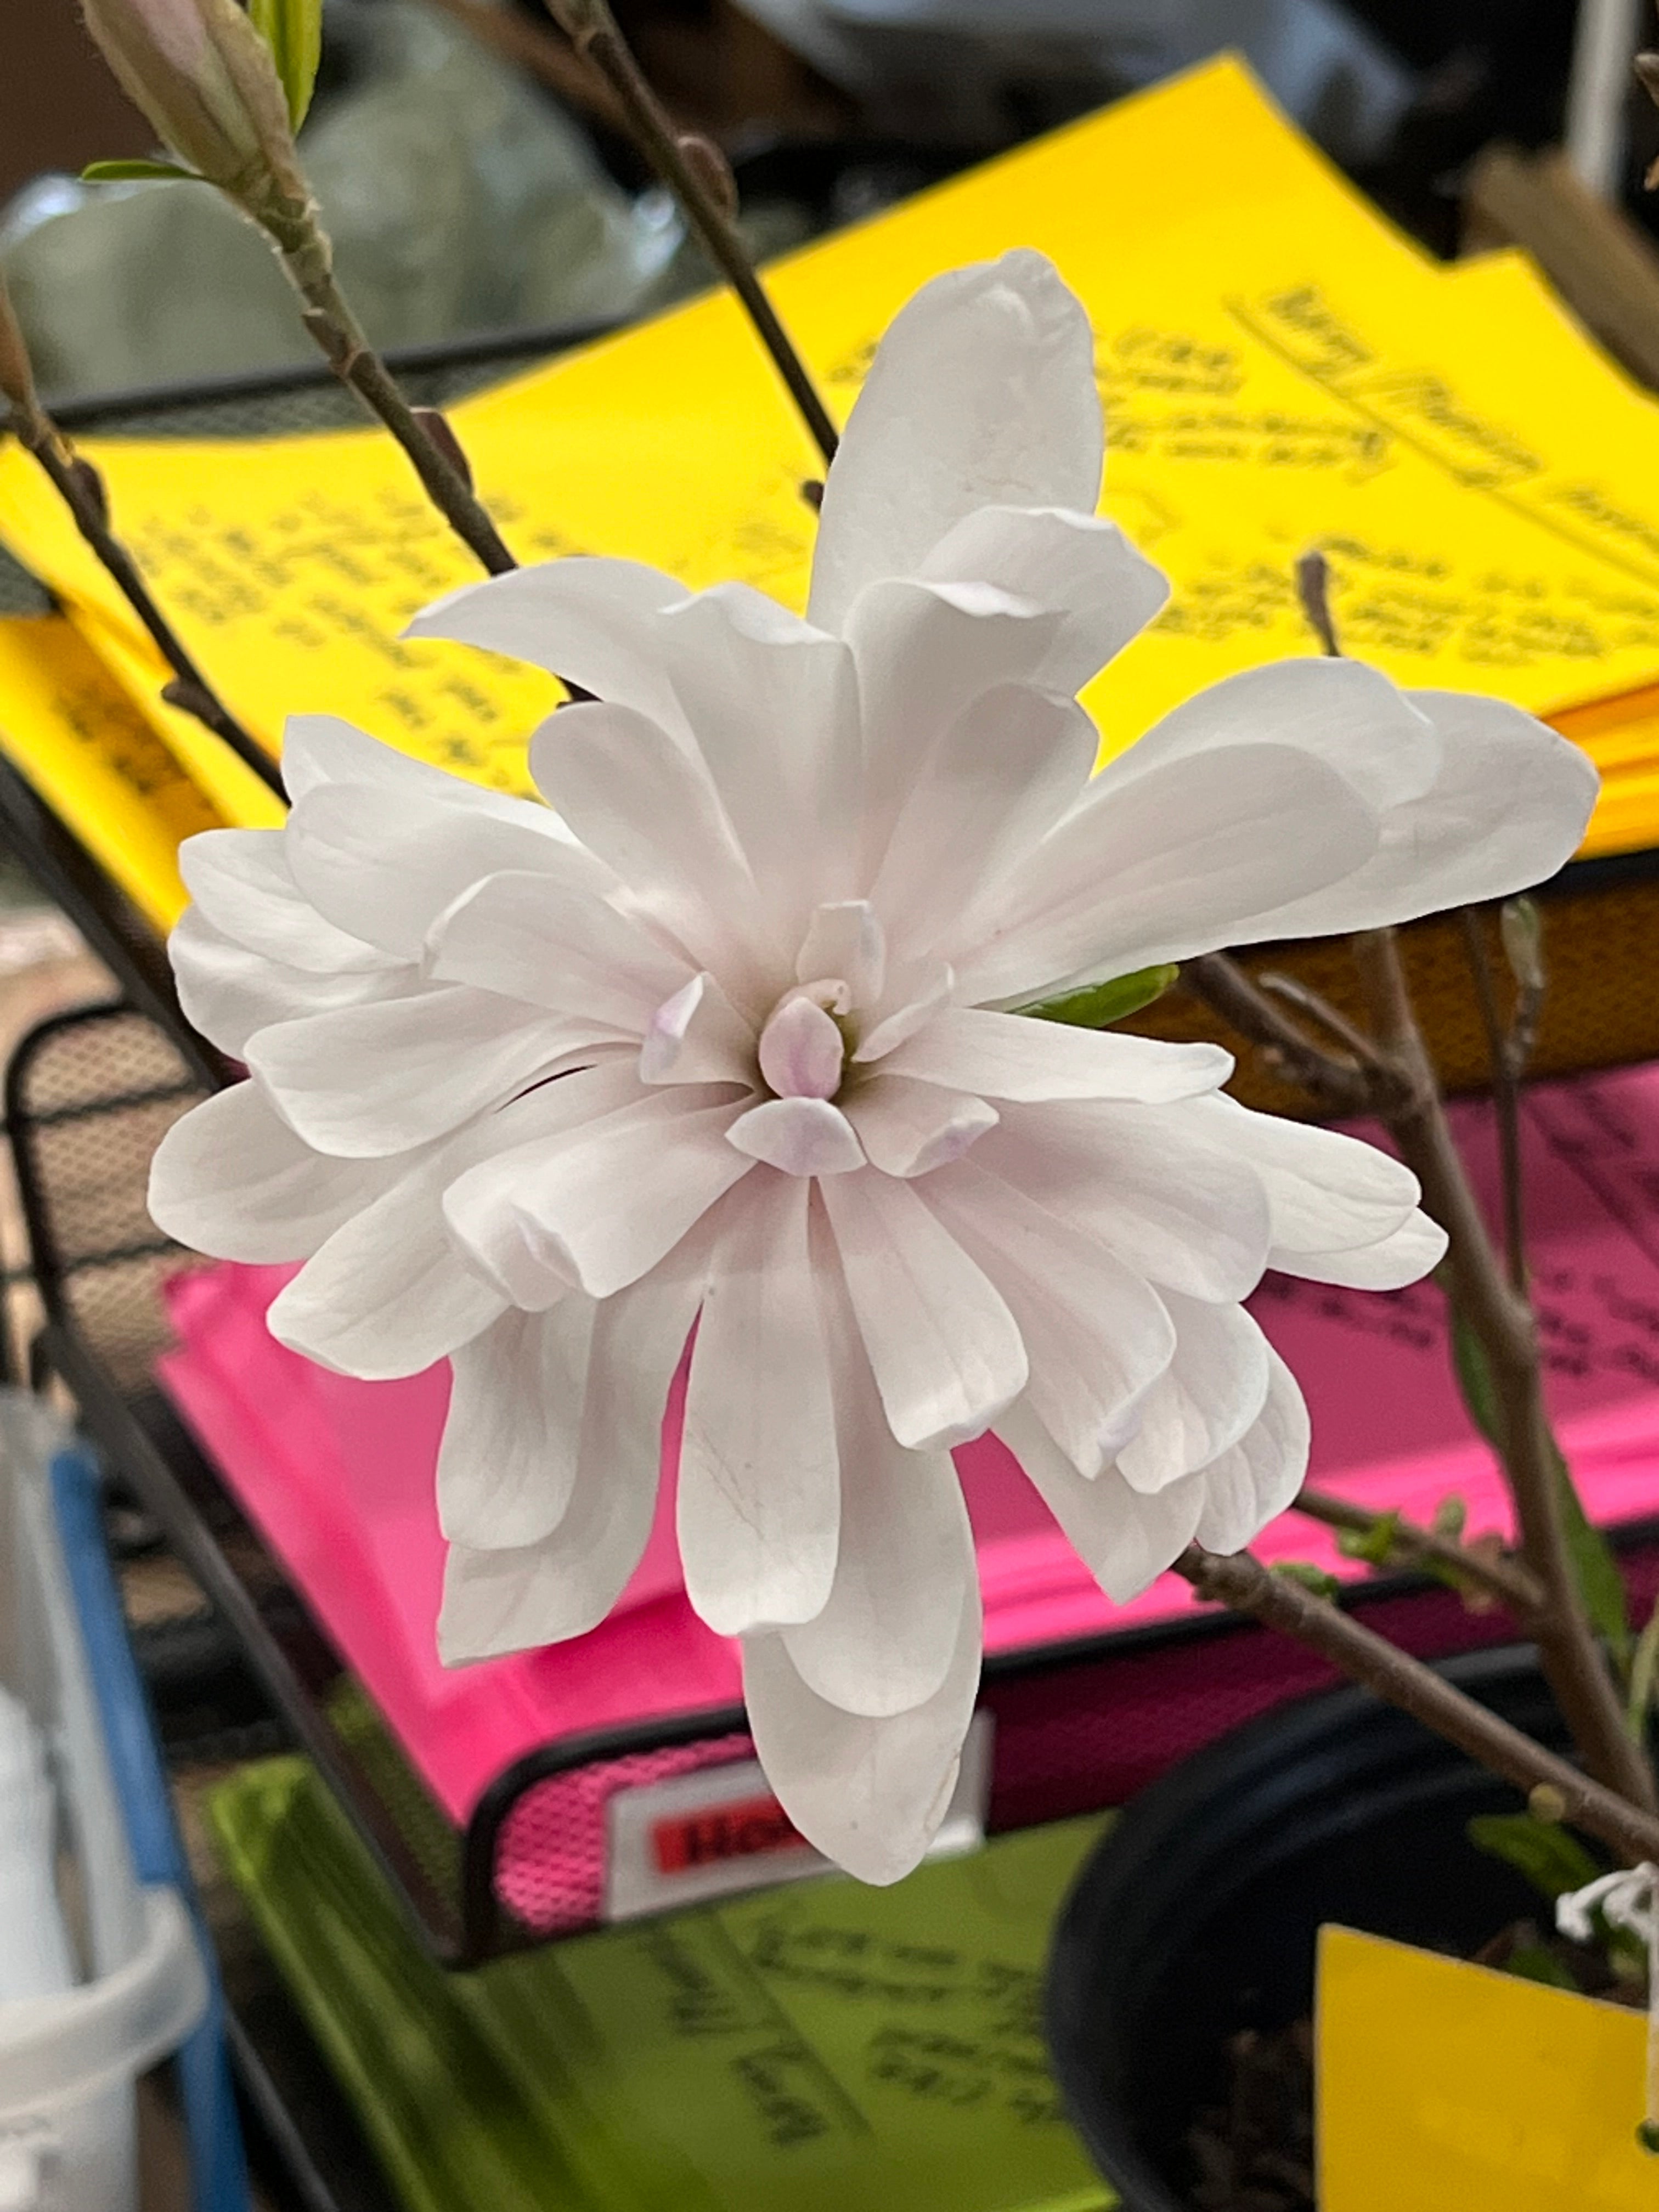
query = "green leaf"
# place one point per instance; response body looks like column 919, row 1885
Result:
column 1550, row 1856
column 1474, row 1377
column 1450, row 1518
column 121, row 173
column 1099, row 1004
column 1374, row 1545
column 293, row 29
column 1643, row 1666
column 1535, row 1962
column 1310, row 1576
column 1595, row 1569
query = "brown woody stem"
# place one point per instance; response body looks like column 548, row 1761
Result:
column 308, row 256
column 1505, row 1090
column 331, row 323
column 80, row 487
column 1631, row 1828
column 1339, row 1085
column 1504, row 1579
column 596, row 35
column 1408, row 1100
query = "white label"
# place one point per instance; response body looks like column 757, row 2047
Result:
column 721, row 1830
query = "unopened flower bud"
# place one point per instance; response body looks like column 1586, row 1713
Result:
column 206, row 82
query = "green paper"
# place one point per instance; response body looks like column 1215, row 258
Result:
column 820, row 2047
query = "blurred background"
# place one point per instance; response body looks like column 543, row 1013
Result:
column 472, row 182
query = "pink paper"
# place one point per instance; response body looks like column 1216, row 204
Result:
column 338, row 1476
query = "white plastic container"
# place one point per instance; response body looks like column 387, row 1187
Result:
column 70, row 2055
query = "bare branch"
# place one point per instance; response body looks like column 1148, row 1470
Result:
column 1501, row 1577
column 1242, row 1582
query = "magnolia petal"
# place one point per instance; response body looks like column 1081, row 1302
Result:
column 537, row 941
column 801, row 1051
column 1325, row 1192
column 773, row 707
column 759, row 1487
column 914, row 991
column 508, row 1462
column 1509, row 808
column 1188, row 1217
column 845, row 943
column 883, row 1641
column 1251, row 1484
column 925, row 653
column 506, row 1600
column 387, row 1294
column 649, row 809
column 1077, row 565
column 241, row 881
column 909, row 1128
column 870, row 1794
column 1413, row 1250
column 385, row 863
column 231, row 1179
column 982, row 394
column 1125, row 1540
column 584, row 617
column 1213, row 1391
column 1160, row 866
column 945, row 1349
column 1009, row 1056
column 698, row 1037
column 227, row 993
column 599, row 1204
column 1344, row 713
column 1096, row 1333
column 321, row 749
column 367, row 1080
column 992, row 788
column 798, row 1136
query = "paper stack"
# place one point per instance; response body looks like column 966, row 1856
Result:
column 1280, row 370
column 825, row 2045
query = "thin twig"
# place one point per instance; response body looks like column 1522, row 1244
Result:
column 1353, row 1041
column 1339, row 1085
column 1313, row 589
column 1502, row 1320
column 1242, row 1582
column 308, row 256
column 1505, row 1090
column 82, row 490
column 1501, row 1577
column 705, row 195
column 540, row 50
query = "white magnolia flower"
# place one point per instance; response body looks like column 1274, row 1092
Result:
column 740, row 1058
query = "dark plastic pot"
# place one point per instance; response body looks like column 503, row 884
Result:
column 1197, row 1916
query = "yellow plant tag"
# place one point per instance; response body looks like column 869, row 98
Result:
column 1448, row 2087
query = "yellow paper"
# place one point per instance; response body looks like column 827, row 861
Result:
column 1279, row 368
column 76, row 738
column 1447, row 2087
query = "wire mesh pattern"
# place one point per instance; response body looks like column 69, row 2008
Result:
column 88, row 1097
column 551, row 1850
